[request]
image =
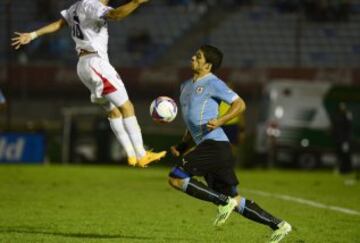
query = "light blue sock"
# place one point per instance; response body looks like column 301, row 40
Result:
column 241, row 206
column 186, row 183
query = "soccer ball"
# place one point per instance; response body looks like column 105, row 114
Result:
column 163, row 109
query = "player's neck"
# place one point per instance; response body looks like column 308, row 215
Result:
column 199, row 75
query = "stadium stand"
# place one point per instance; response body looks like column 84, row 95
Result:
column 251, row 35
column 263, row 37
column 163, row 22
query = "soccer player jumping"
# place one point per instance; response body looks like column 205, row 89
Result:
column 212, row 157
column 87, row 20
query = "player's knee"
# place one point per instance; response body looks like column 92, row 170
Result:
column 179, row 184
column 178, row 178
column 127, row 109
column 114, row 113
column 174, row 182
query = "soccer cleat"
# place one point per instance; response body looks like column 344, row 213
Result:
column 224, row 212
column 281, row 232
column 132, row 161
column 150, row 157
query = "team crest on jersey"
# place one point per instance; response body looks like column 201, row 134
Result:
column 199, row 89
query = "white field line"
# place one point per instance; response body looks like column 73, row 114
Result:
column 304, row 201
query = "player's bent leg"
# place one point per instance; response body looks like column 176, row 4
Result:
column 108, row 90
column 181, row 180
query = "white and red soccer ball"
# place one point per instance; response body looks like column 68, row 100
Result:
column 163, row 109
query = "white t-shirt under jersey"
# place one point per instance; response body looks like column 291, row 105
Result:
column 88, row 27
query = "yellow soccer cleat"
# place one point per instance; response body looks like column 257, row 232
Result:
column 132, row 161
column 150, row 157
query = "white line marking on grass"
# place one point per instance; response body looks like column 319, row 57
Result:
column 304, row 201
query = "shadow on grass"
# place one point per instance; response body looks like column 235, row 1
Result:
column 41, row 231
column 33, row 230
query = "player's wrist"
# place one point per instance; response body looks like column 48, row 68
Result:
column 33, row 35
column 182, row 147
column 221, row 121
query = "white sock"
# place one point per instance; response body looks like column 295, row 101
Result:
column 118, row 129
column 133, row 130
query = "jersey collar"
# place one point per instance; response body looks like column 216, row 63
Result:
column 202, row 78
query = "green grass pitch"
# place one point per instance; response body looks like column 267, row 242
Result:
column 123, row 204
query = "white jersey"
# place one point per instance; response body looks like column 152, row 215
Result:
column 88, row 27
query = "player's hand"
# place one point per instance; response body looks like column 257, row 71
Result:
column 174, row 151
column 20, row 40
column 213, row 123
column 140, row 1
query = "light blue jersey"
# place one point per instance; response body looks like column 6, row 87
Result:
column 200, row 102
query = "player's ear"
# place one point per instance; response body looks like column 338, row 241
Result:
column 208, row 66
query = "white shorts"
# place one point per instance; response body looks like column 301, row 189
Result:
column 104, row 83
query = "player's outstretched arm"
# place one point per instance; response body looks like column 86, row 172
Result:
column 124, row 10
column 22, row 39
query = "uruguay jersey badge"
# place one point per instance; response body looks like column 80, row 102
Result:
column 199, row 89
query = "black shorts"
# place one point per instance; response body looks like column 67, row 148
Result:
column 232, row 132
column 214, row 161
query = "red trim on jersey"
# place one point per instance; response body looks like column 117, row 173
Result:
column 108, row 87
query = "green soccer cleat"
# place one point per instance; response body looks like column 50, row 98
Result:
column 224, row 212
column 281, row 232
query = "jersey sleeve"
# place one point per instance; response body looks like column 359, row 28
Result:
column 222, row 92
column 182, row 87
column 97, row 10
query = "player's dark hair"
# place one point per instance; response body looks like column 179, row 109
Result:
column 212, row 55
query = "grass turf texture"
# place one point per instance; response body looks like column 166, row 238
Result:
column 123, row 204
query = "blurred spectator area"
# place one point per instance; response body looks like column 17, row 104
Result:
column 262, row 36
column 253, row 33
column 162, row 22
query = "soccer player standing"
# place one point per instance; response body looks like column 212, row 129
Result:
column 87, row 20
column 212, row 157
